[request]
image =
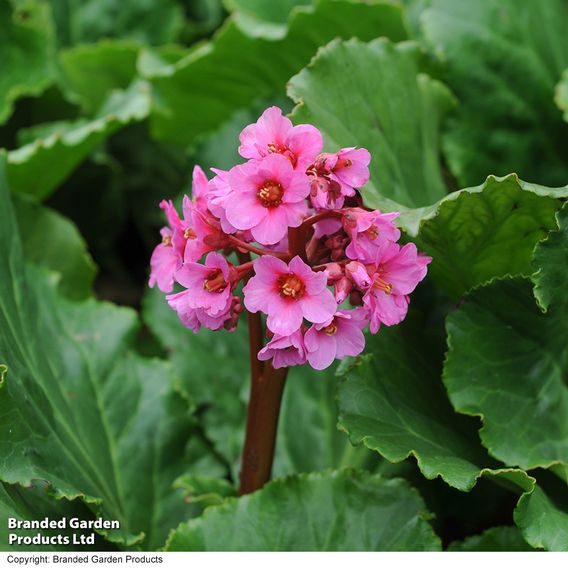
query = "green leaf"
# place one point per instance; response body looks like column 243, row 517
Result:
column 264, row 19
column 52, row 241
column 90, row 72
column 344, row 510
column 551, row 259
column 80, row 410
column 487, row 231
column 392, row 400
column 496, row 539
column 35, row 503
column 561, row 94
column 26, row 52
column 214, row 371
column 376, row 98
column 542, row 522
column 308, row 419
column 145, row 21
column 206, row 491
column 503, row 348
column 503, row 59
column 38, row 168
column 226, row 75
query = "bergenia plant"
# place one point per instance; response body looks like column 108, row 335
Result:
column 290, row 225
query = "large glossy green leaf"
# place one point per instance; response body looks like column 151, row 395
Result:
column 487, row 231
column 37, row 168
column 392, row 400
column 507, row 360
column 79, row 409
column 543, row 523
column 26, row 52
column 503, row 59
column 343, row 510
column 214, row 372
column 147, row 21
column 201, row 91
column 34, row 503
column 264, row 19
column 496, row 539
column 90, row 71
column 372, row 95
column 51, row 240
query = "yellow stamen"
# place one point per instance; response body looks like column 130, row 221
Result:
column 215, row 282
column 382, row 285
column 291, row 286
column 372, row 232
column 331, row 329
column 270, row 194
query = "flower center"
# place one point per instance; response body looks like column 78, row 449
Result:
column 290, row 286
column 284, row 150
column 331, row 329
column 372, row 232
column 383, row 285
column 215, row 282
column 167, row 240
column 270, row 194
column 189, row 233
column 343, row 163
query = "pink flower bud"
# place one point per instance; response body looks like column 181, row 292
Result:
column 333, row 272
column 341, row 289
column 358, row 274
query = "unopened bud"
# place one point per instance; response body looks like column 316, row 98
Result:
column 341, row 289
column 236, row 311
column 334, row 272
column 358, row 274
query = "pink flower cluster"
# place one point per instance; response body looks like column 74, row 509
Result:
column 312, row 258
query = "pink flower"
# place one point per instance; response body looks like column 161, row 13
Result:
column 218, row 194
column 167, row 257
column 358, row 274
column 267, row 197
column 195, row 318
column 397, row 272
column 336, row 277
column 351, row 168
column 274, row 134
column 164, row 263
column 326, row 193
column 288, row 293
column 327, row 226
column 284, row 350
column 199, row 188
column 368, row 231
column 203, row 234
column 339, row 337
column 335, row 176
column 208, row 286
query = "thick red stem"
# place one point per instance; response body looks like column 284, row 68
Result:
column 267, row 386
column 297, row 242
column 262, row 423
